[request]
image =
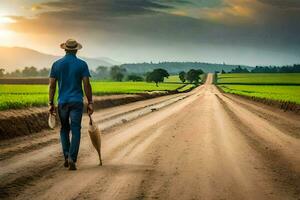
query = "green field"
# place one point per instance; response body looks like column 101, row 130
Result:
column 173, row 79
column 103, row 88
column 260, row 79
column 186, row 87
column 279, row 93
column 20, row 96
column 280, row 87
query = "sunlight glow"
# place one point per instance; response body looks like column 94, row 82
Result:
column 179, row 13
column 6, row 33
column 6, row 20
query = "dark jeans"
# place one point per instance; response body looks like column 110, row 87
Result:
column 70, row 115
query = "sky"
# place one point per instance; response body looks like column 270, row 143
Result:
column 249, row 32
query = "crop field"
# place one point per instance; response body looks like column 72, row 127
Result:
column 173, row 79
column 21, row 96
column 279, row 93
column 186, row 87
column 260, row 79
column 103, row 88
column 279, row 87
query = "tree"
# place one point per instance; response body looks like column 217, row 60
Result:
column 102, row 72
column 2, row 72
column 182, row 76
column 157, row 76
column 147, row 76
column 283, row 69
column 16, row 73
column 239, row 69
column 223, row 72
column 117, row 73
column 134, row 78
column 44, row 72
column 30, row 71
column 193, row 76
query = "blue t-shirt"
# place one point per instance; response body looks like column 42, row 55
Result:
column 69, row 71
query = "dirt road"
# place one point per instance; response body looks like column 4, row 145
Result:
column 203, row 145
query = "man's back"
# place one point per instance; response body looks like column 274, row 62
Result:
column 69, row 71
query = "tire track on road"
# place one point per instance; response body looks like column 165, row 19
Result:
column 283, row 173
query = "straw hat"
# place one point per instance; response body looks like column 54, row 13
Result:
column 71, row 44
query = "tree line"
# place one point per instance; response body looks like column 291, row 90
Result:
column 267, row 69
column 26, row 72
column 176, row 67
column 115, row 73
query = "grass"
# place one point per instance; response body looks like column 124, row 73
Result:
column 23, row 89
column 103, row 88
column 274, row 92
column 279, row 87
column 260, row 79
column 186, row 87
column 173, row 79
column 23, row 96
column 14, row 101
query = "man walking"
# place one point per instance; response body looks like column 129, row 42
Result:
column 70, row 72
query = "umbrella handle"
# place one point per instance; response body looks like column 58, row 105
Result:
column 91, row 121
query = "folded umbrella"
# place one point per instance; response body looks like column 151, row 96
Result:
column 95, row 136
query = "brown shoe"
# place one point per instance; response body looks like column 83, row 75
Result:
column 72, row 165
column 66, row 163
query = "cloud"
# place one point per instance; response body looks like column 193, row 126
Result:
column 99, row 9
column 63, row 15
column 284, row 4
column 229, row 12
column 141, row 29
column 220, row 11
column 36, row 7
column 179, row 13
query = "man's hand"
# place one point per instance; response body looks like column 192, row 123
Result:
column 88, row 94
column 52, row 88
column 52, row 109
column 90, row 109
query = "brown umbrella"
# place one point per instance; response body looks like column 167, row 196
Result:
column 95, row 137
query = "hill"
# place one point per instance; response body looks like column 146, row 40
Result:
column 12, row 58
column 176, row 67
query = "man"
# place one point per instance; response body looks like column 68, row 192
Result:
column 70, row 72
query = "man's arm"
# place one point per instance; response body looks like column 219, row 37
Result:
column 88, row 93
column 52, row 89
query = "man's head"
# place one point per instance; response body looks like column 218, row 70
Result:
column 71, row 46
column 71, row 51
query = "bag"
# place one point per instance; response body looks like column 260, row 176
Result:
column 52, row 121
column 95, row 136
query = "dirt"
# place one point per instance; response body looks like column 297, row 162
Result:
column 14, row 123
column 205, row 146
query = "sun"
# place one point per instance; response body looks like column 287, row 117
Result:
column 5, row 33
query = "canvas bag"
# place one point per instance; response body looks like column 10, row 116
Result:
column 52, row 121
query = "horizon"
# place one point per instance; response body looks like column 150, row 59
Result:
column 150, row 62
column 251, row 32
